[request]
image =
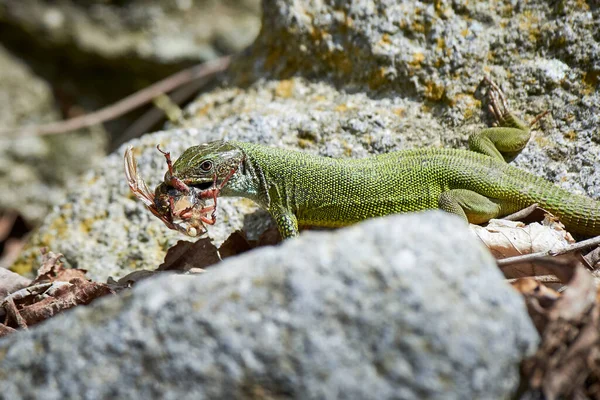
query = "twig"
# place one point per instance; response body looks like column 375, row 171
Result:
column 127, row 104
column 593, row 257
column 154, row 115
column 539, row 278
column 538, row 117
column 595, row 241
column 12, row 312
column 521, row 214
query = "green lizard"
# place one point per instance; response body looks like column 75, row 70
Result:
column 300, row 188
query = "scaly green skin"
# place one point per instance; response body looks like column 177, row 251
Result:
column 300, row 188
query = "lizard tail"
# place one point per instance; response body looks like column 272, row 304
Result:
column 580, row 214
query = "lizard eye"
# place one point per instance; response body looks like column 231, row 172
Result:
column 206, row 166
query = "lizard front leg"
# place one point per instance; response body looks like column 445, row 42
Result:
column 287, row 223
column 509, row 135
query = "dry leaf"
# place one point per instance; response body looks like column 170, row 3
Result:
column 238, row 243
column 55, row 289
column 53, row 269
column 6, row 330
column 131, row 279
column 185, row 255
column 542, row 293
column 510, row 238
column 568, row 359
column 30, row 307
column 235, row 244
column 199, row 255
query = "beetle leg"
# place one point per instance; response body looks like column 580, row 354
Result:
column 173, row 180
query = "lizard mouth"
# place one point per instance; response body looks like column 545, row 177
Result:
column 202, row 186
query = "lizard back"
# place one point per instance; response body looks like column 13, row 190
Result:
column 323, row 191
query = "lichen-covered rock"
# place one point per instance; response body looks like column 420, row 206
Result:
column 34, row 171
column 350, row 79
column 406, row 307
column 546, row 58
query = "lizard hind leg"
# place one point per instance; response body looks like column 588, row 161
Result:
column 469, row 205
column 508, row 136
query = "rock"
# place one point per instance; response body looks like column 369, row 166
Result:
column 352, row 80
column 96, row 53
column 546, row 58
column 11, row 282
column 400, row 307
column 159, row 33
column 35, row 171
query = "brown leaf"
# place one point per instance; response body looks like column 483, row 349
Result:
column 531, row 287
column 12, row 313
column 6, row 330
column 202, row 254
column 593, row 258
column 185, row 255
column 50, row 261
column 130, row 279
column 270, row 237
column 238, row 243
column 235, row 244
column 52, row 269
column 569, row 353
column 80, row 291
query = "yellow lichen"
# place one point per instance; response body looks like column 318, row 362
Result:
column 418, row 27
column 571, row 135
column 341, row 108
column 590, row 80
column 399, row 111
column 378, row 78
column 204, row 110
column 23, row 266
column 433, row 91
column 385, row 39
column 441, row 43
column 418, row 58
column 542, row 141
column 304, row 143
column 86, row 225
column 529, row 22
column 285, row 89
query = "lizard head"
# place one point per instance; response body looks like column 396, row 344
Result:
column 199, row 170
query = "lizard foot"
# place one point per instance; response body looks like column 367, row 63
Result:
column 498, row 106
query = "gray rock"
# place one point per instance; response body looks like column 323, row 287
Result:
column 404, row 307
column 10, row 282
column 158, row 32
column 34, row 171
column 350, row 80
